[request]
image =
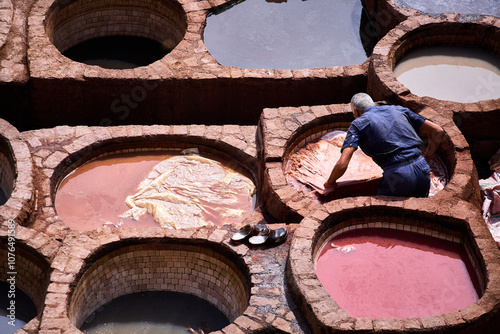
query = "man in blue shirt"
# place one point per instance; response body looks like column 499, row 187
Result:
column 389, row 135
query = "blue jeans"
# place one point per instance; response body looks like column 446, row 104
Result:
column 408, row 179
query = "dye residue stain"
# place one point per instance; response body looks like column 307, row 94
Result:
column 285, row 34
column 451, row 73
column 24, row 309
column 155, row 312
column 96, row 194
column 384, row 273
column 480, row 7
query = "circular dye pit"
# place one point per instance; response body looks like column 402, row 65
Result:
column 24, row 277
column 155, row 312
column 308, row 168
column 14, row 316
column 161, row 288
column 480, row 7
column 154, row 189
column 291, row 34
column 451, row 73
column 388, row 273
column 116, row 34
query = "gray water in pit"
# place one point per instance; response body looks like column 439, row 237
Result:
column 151, row 312
column 23, row 309
column 291, row 34
column 479, row 7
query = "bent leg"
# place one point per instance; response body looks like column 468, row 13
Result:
column 408, row 181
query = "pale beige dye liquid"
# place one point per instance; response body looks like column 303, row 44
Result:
column 451, row 73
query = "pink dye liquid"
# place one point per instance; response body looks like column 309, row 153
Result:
column 94, row 194
column 396, row 274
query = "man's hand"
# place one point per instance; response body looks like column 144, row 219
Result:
column 338, row 170
column 329, row 187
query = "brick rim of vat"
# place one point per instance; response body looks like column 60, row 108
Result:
column 426, row 31
column 20, row 201
column 287, row 203
column 323, row 313
column 201, row 250
column 189, row 60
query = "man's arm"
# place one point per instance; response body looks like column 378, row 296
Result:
column 434, row 134
column 340, row 167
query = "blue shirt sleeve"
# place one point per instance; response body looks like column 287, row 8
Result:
column 415, row 120
column 351, row 138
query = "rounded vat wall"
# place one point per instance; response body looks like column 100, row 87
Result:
column 30, row 274
column 416, row 35
column 16, row 175
column 324, row 314
column 204, row 270
column 70, row 23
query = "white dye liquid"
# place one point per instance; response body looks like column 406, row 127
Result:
column 451, row 73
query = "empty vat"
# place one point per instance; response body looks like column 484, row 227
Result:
column 202, row 270
column 116, row 34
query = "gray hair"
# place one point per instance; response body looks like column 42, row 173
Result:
column 361, row 101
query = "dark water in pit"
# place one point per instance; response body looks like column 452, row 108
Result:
column 3, row 198
column 291, row 34
column 386, row 273
column 117, row 52
column 25, row 309
column 155, row 312
column 480, row 7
